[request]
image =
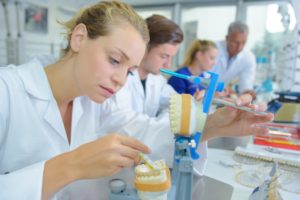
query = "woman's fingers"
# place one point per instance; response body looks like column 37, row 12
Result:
column 130, row 153
column 262, row 106
column 107, row 155
column 124, row 161
column 134, row 143
column 252, row 93
column 245, row 99
column 199, row 94
column 264, row 118
column 256, row 130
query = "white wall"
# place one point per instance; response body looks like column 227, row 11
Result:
column 212, row 21
column 34, row 43
column 256, row 20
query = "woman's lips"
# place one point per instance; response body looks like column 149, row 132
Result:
column 107, row 92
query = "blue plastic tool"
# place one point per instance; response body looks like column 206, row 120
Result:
column 194, row 79
column 211, row 85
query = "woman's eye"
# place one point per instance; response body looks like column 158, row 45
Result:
column 114, row 61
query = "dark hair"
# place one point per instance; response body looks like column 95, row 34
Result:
column 162, row 30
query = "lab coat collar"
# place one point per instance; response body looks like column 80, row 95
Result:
column 135, row 73
column 225, row 51
column 36, row 84
column 149, row 78
column 33, row 77
column 226, row 62
column 138, row 85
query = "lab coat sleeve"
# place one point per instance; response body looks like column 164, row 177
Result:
column 247, row 76
column 3, row 110
column 166, row 91
column 25, row 183
column 153, row 131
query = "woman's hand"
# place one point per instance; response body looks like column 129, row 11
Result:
column 107, row 155
column 102, row 157
column 230, row 122
column 199, row 94
column 252, row 93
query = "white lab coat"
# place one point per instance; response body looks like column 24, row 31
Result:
column 154, row 102
column 32, row 131
column 145, row 116
column 242, row 66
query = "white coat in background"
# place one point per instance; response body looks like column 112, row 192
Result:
column 241, row 66
column 145, row 116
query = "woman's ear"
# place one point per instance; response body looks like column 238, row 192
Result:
column 79, row 35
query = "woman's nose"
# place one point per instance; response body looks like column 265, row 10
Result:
column 168, row 63
column 120, row 77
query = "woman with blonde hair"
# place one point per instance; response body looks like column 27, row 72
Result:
column 200, row 58
column 49, row 116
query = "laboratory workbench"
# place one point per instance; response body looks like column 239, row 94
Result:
column 227, row 174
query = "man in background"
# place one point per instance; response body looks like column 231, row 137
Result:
column 234, row 64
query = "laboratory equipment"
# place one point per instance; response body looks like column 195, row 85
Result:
column 268, row 190
column 187, row 119
column 152, row 183
column 208, row 83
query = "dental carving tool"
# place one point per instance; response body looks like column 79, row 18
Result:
column 233, row 105
column 148, row 162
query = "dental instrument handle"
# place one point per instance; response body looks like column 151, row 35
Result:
column 230, row 104
column 148, row 162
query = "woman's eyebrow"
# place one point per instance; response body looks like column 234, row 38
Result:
column 123, row 53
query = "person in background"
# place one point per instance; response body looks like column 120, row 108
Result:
column 199, row 58
column 49, row 116
column 142, row 104
column 147, row 87
column 236, row 66
column 234, row 62
column 140, row 109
